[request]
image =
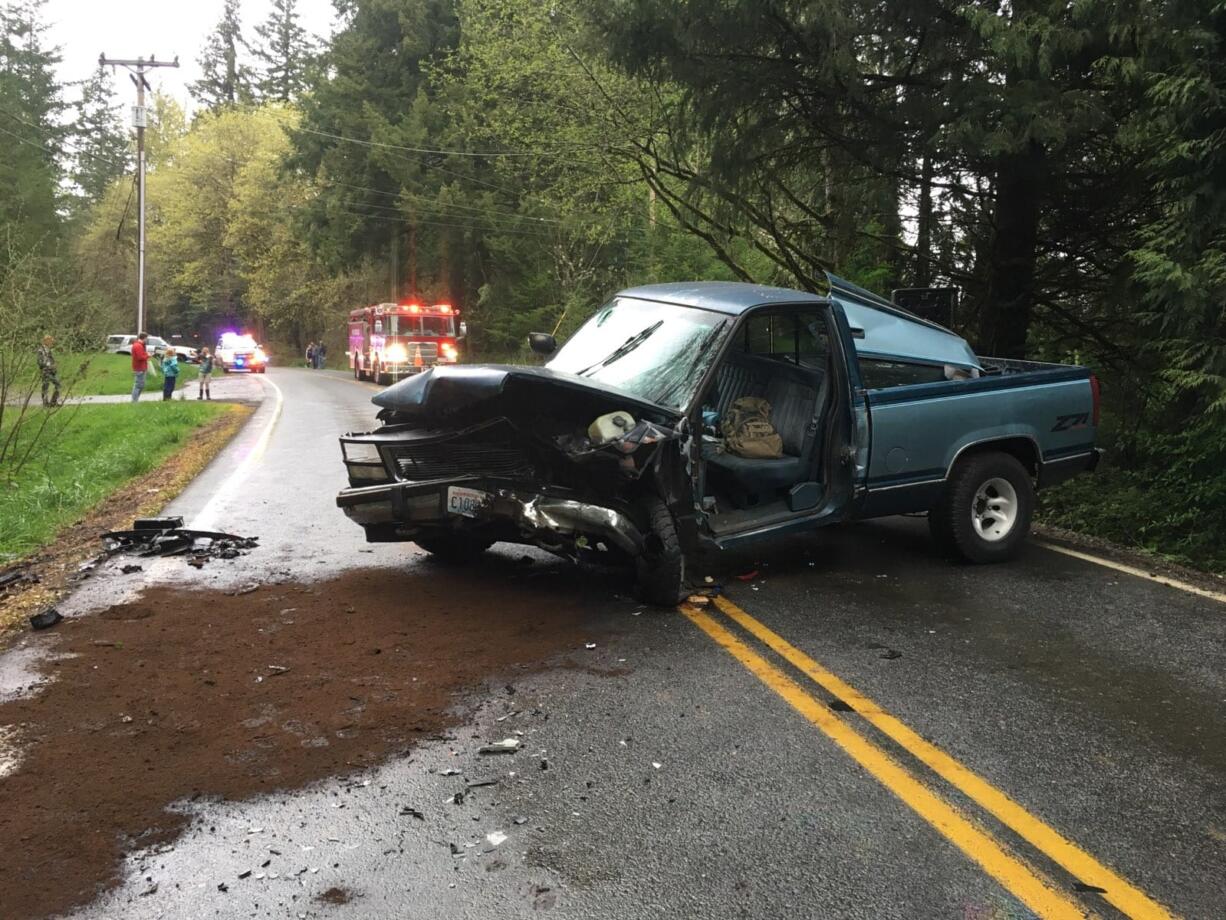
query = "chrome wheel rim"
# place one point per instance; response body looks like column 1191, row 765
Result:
column 994, row 510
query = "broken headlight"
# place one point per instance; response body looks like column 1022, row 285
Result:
column 361, row 452
column 364, row 463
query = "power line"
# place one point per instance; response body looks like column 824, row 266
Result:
column 403, row 194
column 451, row 152
column 68, row 142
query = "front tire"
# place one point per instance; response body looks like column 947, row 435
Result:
column 661, row 568
column 453, row 548
column 984, row 513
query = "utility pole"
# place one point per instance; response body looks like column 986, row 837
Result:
column 137, row 70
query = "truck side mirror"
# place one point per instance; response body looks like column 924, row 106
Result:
column 542, row 343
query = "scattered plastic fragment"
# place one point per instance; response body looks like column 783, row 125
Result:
column 168, row 537
column 46, row 619
column 452, row 771
column 748, row 576
column 494, row 838
column 505, row 746
column 131, row 569
column 478, row 783
column 246, row 874
column 589, row 645
column 656, row 764
column 698, row 600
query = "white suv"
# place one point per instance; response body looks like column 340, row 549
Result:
column 122, row 345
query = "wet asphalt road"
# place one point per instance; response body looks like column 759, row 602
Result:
column 679, row 783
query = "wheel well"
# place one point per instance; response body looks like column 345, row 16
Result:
column 1023, row 449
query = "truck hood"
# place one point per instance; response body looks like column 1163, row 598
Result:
column 449, row 390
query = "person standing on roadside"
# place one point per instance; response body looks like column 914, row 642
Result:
column 46, row 367
column 140, row 365
column 206, row 373
column 321, row 355
column 170, row 374
column 310, row 354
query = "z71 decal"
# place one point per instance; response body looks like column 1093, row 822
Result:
column 1072, row 422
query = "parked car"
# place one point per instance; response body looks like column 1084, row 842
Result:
column 617, row 447
column 122, row 344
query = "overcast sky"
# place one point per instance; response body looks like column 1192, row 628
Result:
column 142, row 28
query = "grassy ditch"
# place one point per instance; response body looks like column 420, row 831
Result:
column 88, row 453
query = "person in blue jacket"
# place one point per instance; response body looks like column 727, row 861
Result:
column 170, row 374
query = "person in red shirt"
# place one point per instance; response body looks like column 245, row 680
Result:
column 140, row 365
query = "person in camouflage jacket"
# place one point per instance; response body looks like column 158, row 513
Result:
column 47, row 368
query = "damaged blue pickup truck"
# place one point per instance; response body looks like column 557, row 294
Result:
column 619, row 448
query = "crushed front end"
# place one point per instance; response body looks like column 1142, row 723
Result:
column 477, row 462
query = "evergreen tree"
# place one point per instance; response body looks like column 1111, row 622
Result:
column 225, row 80
column 101, row 152
column 31, row 103
column 285, row 52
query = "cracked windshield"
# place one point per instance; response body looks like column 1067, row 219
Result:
column 663, row 351
column 612, row 459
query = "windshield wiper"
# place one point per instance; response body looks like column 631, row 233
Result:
column 624, row 348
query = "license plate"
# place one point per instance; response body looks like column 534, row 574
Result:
column 466, row 502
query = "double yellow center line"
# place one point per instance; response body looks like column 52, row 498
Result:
column 1038, row 893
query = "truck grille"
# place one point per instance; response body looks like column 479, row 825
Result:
column 470, row 454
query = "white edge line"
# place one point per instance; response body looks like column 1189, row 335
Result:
column 1132, row 570
column 204, row 520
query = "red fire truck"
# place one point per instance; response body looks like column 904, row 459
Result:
column 388, row 341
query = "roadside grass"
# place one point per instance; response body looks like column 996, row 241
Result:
column 104, row 374
column 90, row 452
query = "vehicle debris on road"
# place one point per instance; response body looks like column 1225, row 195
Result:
column 505, row 746
column 46, row 619
column 168, row 537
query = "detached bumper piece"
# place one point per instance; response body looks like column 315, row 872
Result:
column 396, row 511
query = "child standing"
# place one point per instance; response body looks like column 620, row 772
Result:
column 170, row 374
column 206, row 373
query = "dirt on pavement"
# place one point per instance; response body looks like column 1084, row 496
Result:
column 183, row 695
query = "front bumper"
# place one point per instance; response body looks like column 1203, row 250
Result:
column 397, row 510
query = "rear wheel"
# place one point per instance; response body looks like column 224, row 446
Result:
column 984, row 513
column 453, row 548
column 661, row 567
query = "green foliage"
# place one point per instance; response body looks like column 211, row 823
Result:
column 97, row 450
column 31, row 103
column 101, row 152
column 225, row 79
column 1163, row 493
column 285, row 54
